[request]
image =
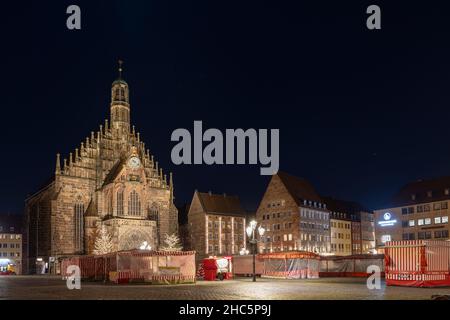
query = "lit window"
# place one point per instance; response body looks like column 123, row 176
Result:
column 385, row 238
column 420, row 222
column 445, row 219
column 290, row 237
column 412, row 223
column 428, row 221
column 429, row 194
column 437, row 220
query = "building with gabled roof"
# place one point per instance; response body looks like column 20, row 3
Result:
column 216, row 224
column 294, row 216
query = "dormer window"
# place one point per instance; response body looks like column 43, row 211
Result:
column 447, row 191
column 413, row 197
column 429, row 194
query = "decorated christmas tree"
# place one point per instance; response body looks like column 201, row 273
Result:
column 103, row 242
column 171, row 243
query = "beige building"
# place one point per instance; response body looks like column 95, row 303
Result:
column 216, row 225
column 111, row 181
column 341, row 235
column 361, row 228
column 10, row 244
column 294, row 216
column 420, row 210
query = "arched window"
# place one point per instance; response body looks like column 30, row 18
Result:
column 117, row 95
column 134, row 204
column 153, row 212
column 120, row 203
column 79, row 226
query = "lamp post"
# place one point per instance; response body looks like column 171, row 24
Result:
column 254, row 240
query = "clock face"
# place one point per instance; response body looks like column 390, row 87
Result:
column 134, row 162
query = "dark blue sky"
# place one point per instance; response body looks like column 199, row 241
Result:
column 360, row 112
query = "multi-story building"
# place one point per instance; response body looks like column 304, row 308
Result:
column 11, row 243
column 341, row 226
column 420, row 210
column 216, row 225
column 352, row 227
column 367, row 232
column 294, row 216
column 356, row 233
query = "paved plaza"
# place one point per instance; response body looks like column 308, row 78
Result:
column 50, row 287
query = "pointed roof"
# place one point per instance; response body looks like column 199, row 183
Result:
column 221, row 204
column 300, row 189
column 115, row 171
column 120, row 79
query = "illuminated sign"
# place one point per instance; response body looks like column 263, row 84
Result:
column 388, row 221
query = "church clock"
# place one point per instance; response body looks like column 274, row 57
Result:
column 134, row 162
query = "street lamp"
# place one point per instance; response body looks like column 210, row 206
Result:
column 243, row 252
column 254, row 240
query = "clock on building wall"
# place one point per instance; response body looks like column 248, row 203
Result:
column 134, row 162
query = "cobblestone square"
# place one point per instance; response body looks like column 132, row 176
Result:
column 53, row 288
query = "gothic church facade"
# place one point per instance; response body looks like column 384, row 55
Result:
column 110, row 182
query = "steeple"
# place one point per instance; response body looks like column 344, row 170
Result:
column 58, row 164
column 120, row 104
column 120, row 69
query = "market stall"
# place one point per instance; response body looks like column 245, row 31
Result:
column 156, row 267
column 291, row 265
column 350, row 266
column 417, row 263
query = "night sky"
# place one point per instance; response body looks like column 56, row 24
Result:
column 360, row 112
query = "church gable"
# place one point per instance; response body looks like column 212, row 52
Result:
column 126, row 170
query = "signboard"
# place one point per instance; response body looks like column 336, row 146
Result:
column 388, row 220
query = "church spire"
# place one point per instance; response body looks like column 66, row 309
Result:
column 120, row 104
column 120, row 62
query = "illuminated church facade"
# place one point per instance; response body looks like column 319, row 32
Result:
column 111, row 181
